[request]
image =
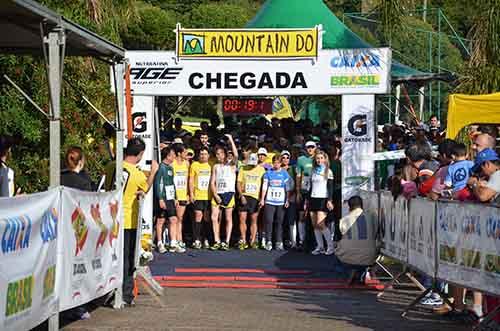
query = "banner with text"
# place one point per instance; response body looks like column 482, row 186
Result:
column 247, row 43
column 28, row 257
column 422, row 235
column 358, row 139
column 394, row 226
column 90, row 246
column 334, row 72
column 469, row 245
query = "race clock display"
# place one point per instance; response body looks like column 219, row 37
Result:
column 248, row 106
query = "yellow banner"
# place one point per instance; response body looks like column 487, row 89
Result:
column 254, row 43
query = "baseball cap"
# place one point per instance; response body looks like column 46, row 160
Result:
column 190, row 151
column 178, row 141
column 262, row 150
column 285, row 153
column 487, row 154
column 310, row 144
column 253, row 159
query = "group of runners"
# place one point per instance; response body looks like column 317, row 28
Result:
column 267, row 188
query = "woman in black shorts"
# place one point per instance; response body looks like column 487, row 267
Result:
column 320, row 202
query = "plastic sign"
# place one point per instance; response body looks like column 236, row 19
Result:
column 333, row 72
column 248, row 43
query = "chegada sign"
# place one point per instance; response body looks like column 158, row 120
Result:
column 248, row 43
column 334, row 72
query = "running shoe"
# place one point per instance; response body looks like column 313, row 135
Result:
column 215, row 247
column 269, row 246
column 263, row 243
column 161, row 248
column 206, row 245
column 330, row 250
column 224, row 246
column 318, row 251
column 254, row 245
column 432, row 299
column 182, row 244
column 180, row 249
column 242, row 245
column 172, row 248
column 279, row 246
column 197, row 244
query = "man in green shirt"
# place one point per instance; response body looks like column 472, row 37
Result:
column 165, row 201
column 303, row 182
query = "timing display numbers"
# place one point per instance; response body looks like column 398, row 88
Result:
column 248, row 106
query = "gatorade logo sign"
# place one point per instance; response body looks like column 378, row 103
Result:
column 357, row 126
column 247, row 80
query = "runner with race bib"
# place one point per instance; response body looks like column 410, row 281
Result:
column 223, row 186
column 249, row 186
column 320, row 202
column 304, row 168
column 165, row 202
column 275, row 194
column 181, row 171
column 199, row 184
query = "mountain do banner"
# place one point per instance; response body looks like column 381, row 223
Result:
column 394, row 226
column 90, row 246
column 469, row 245
column 28, row 257
column 333, row 72
column 422, row 235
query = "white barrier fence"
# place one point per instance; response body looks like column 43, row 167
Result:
column 452, row 241
column 59, row 249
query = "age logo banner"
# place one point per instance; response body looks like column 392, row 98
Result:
column 248, row 43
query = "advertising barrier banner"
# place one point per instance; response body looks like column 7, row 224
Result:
column 28, row 257
column 248, row 43
column 333, row 72
column 394, row 226
column 90, row 246
column 358, row 138
column 370, row 205
column 422, row 235
column 469, row 245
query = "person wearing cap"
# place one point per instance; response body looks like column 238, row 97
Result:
column 291, row 210
column 249, row 186
column 488, row 162
column 199, row 185
column 274, row 198
column 262, row 155
column 303, row 180
column 189, row 154
column 181, row 173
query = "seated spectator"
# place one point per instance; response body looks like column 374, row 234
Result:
column 458, row 173
column 358, row 246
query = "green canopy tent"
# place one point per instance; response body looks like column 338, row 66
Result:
column 302, row 14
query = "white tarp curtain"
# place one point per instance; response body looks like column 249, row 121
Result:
column 28, row 259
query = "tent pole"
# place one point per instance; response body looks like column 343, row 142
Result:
column 398, row 96
column 55, row 41
column 421, row 97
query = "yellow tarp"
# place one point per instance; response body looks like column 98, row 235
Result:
column 464, row 110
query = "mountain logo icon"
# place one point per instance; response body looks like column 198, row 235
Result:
column 193, row 44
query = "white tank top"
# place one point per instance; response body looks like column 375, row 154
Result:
column 225, row 179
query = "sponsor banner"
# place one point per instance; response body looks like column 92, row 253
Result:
column 422, row 235
column 394, row 226
column 248, row 43
column 28, row 258
column 333, row 72
column 90, row 246
column 358, row 139
column 469, row 245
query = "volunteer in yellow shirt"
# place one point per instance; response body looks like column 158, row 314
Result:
column 181, row 172
column 249, row 186
column 135, row 184
column 199, row 186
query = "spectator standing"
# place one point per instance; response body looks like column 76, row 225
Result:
column 458, row 173
column 72, row 176
column 6, row 173
column 136, row 185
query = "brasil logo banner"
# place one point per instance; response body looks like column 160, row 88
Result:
column 248, row 43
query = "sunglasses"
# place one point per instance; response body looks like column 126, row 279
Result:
column 310, row 147
column 285, row 157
